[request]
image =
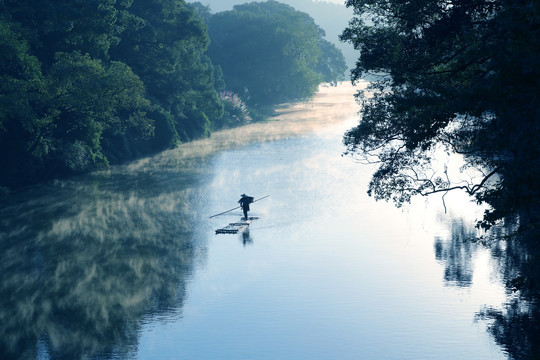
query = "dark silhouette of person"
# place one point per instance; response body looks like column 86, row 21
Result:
column 244, row 203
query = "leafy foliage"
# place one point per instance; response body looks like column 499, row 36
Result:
column 50, row 26
column 166, row 50
column 24, row 117
column 331, row 65
column 88, row 82
column 270, row 53
column 461, row 77
column 92, row 99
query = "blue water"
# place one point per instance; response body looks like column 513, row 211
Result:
column 125, row 264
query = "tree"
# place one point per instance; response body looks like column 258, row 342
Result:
column 50, row 26
column 331, row 66
column 203, row 11
column 88, row 82
column 94, row 100
column 166, row 49
column 459, row 76
column 24, row 116
column 62, row 98
column 268, row 52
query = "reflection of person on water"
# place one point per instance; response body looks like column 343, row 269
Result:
column 244, row 203
column 246, row 239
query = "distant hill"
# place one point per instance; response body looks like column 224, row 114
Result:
column 333, row 18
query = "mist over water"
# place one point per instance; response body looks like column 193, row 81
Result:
column 84, row 260
column 124, row 263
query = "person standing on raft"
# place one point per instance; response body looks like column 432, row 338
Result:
column 244, row 203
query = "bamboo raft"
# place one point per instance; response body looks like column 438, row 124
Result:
column 234, row 228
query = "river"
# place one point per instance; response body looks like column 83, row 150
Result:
column 125, row 263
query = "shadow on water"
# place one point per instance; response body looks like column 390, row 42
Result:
column 515, row 326
column 85, row 261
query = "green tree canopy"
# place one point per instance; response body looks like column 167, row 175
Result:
column 92, row 98
column 23, row 105
column 87, row 82
column 269, row 52
column 331, row 65
column 50, row 26
column 460, row 75
column 166, row 49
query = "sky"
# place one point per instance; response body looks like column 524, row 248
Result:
column 340, row 2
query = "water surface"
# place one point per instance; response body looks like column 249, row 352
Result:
column 125, row 264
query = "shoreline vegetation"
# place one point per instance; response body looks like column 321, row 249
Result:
column 116, row 81
column 331, row 104
column 441, row 91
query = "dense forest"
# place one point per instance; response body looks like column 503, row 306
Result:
column 332, row 17
column 270, row 53
column 88, row 83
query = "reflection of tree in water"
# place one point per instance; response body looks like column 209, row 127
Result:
column 457, row 253
column 78, row 276
column 516, row 327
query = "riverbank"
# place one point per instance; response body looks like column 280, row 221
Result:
column 330, row 105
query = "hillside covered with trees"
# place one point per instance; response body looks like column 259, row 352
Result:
column 331, row 16
column 270, row 53
column 88, row 83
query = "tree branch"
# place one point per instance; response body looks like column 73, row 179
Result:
column 471, row 190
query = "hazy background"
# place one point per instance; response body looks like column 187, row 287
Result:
column 332, row 16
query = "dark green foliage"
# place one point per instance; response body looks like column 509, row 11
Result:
column 57, row 112
column 93, row 99
column 87, row 82
column 24, row 116
column 50, row 26
column 270, row 53
column 462, row 77
column 166, row 50
column 331, row 66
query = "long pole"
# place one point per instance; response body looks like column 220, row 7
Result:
column 238, row 207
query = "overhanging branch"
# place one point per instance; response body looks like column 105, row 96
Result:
column 471, row 190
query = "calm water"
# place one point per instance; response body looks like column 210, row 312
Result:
column 125, row 264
